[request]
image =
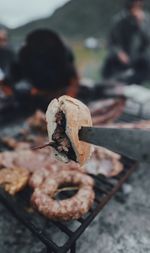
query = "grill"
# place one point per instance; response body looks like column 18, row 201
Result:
column 61, row 237
column 68, row 232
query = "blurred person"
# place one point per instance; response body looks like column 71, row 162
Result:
column 129, row 45
column 6, row 59
column 6, row 55
column 45, row 67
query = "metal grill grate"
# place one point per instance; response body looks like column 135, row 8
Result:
column 61, row 236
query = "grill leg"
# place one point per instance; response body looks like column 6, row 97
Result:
column 47, row 250
column 73, row 248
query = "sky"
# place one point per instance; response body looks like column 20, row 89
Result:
column 14, row 13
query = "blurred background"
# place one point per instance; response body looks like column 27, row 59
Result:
column 50, row 48
column 83, row 24
column 99, row 52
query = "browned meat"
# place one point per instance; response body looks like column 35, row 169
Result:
column 25, row 159
column 60, row 118
column 12, row 143
column 39, row 175
column 43, row 197
column 13, row 179
column 63, row 144
column 104, row 162
column 37, row 122
column 33, row 161
column 106, row 111
column 61, row 139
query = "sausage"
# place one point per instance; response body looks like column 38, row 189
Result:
column 43, row 197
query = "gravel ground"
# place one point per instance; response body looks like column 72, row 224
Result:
column 122, row 226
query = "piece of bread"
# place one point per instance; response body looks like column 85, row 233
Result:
column 77, row 115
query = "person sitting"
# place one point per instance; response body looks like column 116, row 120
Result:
column 45, row 67
column 6, row 55
column 128, row 59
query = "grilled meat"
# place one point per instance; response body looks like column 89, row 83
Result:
column 12, row 143
column 37, row 121
column 33, row 161
column 43, row 197
column 63, row 144
column 106, row 111
column 25, row 159
column 14, row 179
column 104, row 162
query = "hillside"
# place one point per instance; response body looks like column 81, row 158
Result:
column 77, row 19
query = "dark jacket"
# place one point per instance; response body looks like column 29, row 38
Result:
column 129, row 36
column 45, row 61
column 7, row 57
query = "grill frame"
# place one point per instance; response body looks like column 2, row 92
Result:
column 104, row 188
column 107, row 190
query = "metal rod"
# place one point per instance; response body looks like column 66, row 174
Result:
column 73, row 248
column 50, row 144
column 48, row 250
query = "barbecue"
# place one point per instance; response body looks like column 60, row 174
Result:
column 104, row 188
